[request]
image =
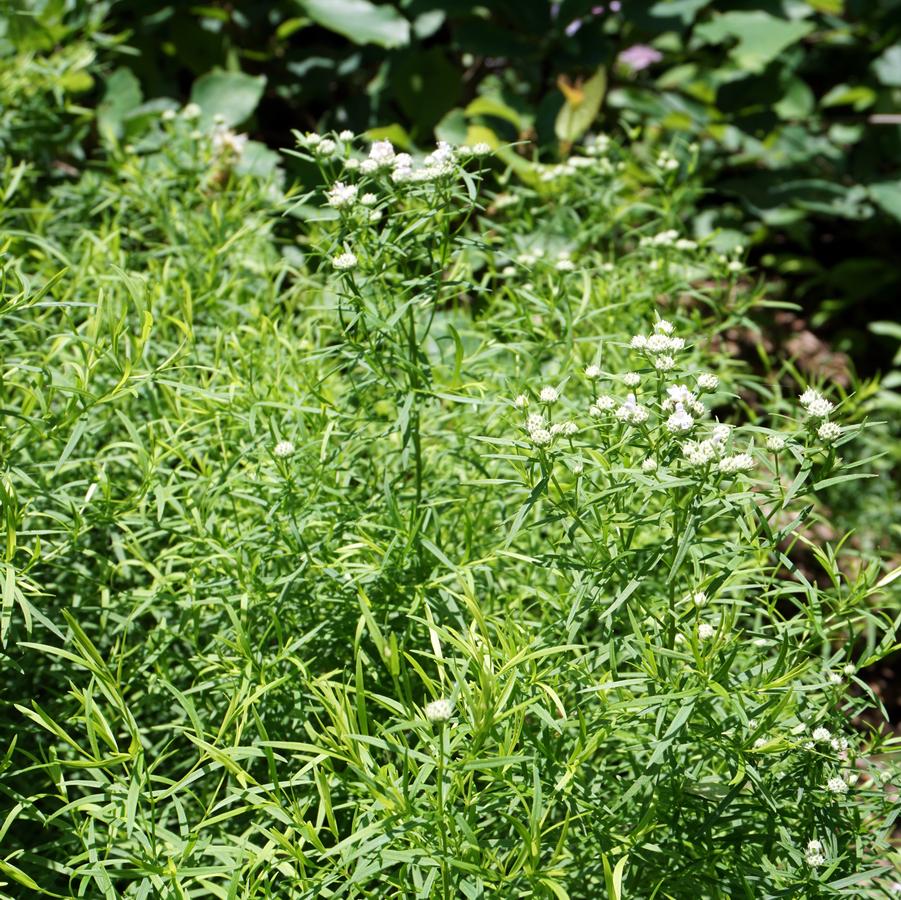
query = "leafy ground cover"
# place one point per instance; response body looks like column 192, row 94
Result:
column 411, row 532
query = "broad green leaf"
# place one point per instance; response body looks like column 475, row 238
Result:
column 797, row 102
column 581, row 107
column 494, row 106
column 887, row 195
column 122, row 95
column 360, row 21
column 887, row 67
column 860, row 96
column 761, row 37
column 232, row 95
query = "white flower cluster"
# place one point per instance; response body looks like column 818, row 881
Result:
column 603, row 404
column 660, row 345
column 837, row 785
column 667, row 161
column 341, row 195
column 813, row 855
column 440, row 163
column 667, row 238
column 381, row 156
column 738, row 462
column 478, row 150
column 818, row 407
column 283, row 449
column 815, row 404
column 323, row 147
column 548, row 395
column 700, row 453
column 597, row 144
column 345, row 261
column 439, row 710
column 631, row 411
column 542, row 433
column 680, row 400
column 227, row 144
column 566, row 169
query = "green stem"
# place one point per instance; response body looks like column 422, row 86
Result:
column 445, row 886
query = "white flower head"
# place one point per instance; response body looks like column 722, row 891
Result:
column 565, row 265
column 346, row 135
column 649, row 465
column 829, row 432
column 593, row 372
column 283, row 449
column 821, row 735
column 549, row 395
column 739, row 462
column 707, row 381
column 326, row 147
column 706, row 631
column 678, row 395
column 345, row 261
column 680, row 421
column 658, row 343
column 481, row 149
column 632, row 412
column 775, row 443
column 638, row 342
column 699, row 453
column 813, row 854
column 699, row 598
column 820, row 408
column 227, row 143
column 191, row 111
column 341, row 195
column 439, row 710
column 521, row 401
column 664, row 363
column 663, row 326
column 541, row 437
column 837, row 785
column 631, row 379
column 381, row 153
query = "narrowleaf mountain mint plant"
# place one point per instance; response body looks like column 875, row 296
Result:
column 387, row 536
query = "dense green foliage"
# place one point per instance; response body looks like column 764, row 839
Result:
column 414, row 526
column 795, row 104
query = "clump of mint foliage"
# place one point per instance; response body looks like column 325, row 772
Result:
column 389, row 536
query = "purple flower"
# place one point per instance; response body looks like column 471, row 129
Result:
column 615, row 6
column 573, row 27
column 639, row 56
